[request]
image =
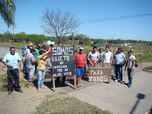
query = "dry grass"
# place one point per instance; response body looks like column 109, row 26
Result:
column 64, row 104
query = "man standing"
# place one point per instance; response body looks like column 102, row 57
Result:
column 107, row 60
column 120, row 60
column 93, row 57
column 130, row 67
column 12, row 61
column 80, row 63
column 29, row 66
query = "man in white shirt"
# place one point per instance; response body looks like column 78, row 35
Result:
column 130, row 64
column 108, row 56
column 12, row 61
column 120, row 60
column 107, row 60
column 93, row 56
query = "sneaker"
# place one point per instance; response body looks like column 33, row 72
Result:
column 116, row 80
column 128, row 85
column 19, row 90
column 10, row 92
column 44, row 87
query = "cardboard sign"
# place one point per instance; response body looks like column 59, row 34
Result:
column 99, row 73
column 62, row 61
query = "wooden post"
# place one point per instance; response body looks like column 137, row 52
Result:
column 75, row 79
column 53, row 82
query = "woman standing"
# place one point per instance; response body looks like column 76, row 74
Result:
column 41, row 67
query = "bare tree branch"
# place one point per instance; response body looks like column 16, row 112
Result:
column 58, row 23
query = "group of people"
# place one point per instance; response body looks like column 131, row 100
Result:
column 116, row 61
column 35, row 60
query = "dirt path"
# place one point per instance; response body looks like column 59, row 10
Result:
column 114, row 97
column 22, row 103
column 118, row 98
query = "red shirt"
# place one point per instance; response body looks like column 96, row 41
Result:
column 80, row 59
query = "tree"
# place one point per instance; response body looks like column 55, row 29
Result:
column 7, row 11
column 59, row 24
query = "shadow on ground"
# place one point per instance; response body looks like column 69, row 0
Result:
column 140, row 96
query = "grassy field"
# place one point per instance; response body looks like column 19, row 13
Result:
column 142, row 51
column 64, row 104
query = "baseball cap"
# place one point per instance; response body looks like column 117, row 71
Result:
column 50, row 43
column 81, row 48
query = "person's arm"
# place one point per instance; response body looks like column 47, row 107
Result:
column 4, row 60
column 89, row 58
column 98, row 57
column 85, row 59
column 45, row 54
column 111, row 59
column 133, row 61
column 19, row 61
column 126, row 64
column 125, row 60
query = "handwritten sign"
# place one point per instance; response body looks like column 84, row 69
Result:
column 62, row 61
column 99, row 73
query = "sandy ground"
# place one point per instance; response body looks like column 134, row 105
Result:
column 118, row 98
column 114, row 97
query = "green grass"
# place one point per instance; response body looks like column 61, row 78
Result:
column 64, row 104
column 147, row 57
column 19, row 44
column 3, row 83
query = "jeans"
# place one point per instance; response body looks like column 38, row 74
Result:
column 29, row 73
column 40, row 78
column 119, row 72
column 130, row 74
column 13, row 79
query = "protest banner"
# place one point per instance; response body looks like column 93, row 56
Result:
column 99, row 73
column 62, row 63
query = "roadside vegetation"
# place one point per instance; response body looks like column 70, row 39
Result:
column 142, row 49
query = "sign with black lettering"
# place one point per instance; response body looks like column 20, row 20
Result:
column 62, row 61
column 99, row 73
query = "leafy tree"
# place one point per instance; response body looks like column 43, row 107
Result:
column 7, row 11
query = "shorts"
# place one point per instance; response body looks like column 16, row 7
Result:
column 80, row 71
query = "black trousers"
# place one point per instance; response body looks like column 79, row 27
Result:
column 130, row 73
column 13, row 79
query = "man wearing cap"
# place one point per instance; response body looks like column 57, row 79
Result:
column 80, row 63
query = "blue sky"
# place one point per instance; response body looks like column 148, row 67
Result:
column 125, row 19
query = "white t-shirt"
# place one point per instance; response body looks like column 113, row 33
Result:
column 107, row 57
column 12, row 60
column 120, row 58
column 93, row 56
column 131, row 59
